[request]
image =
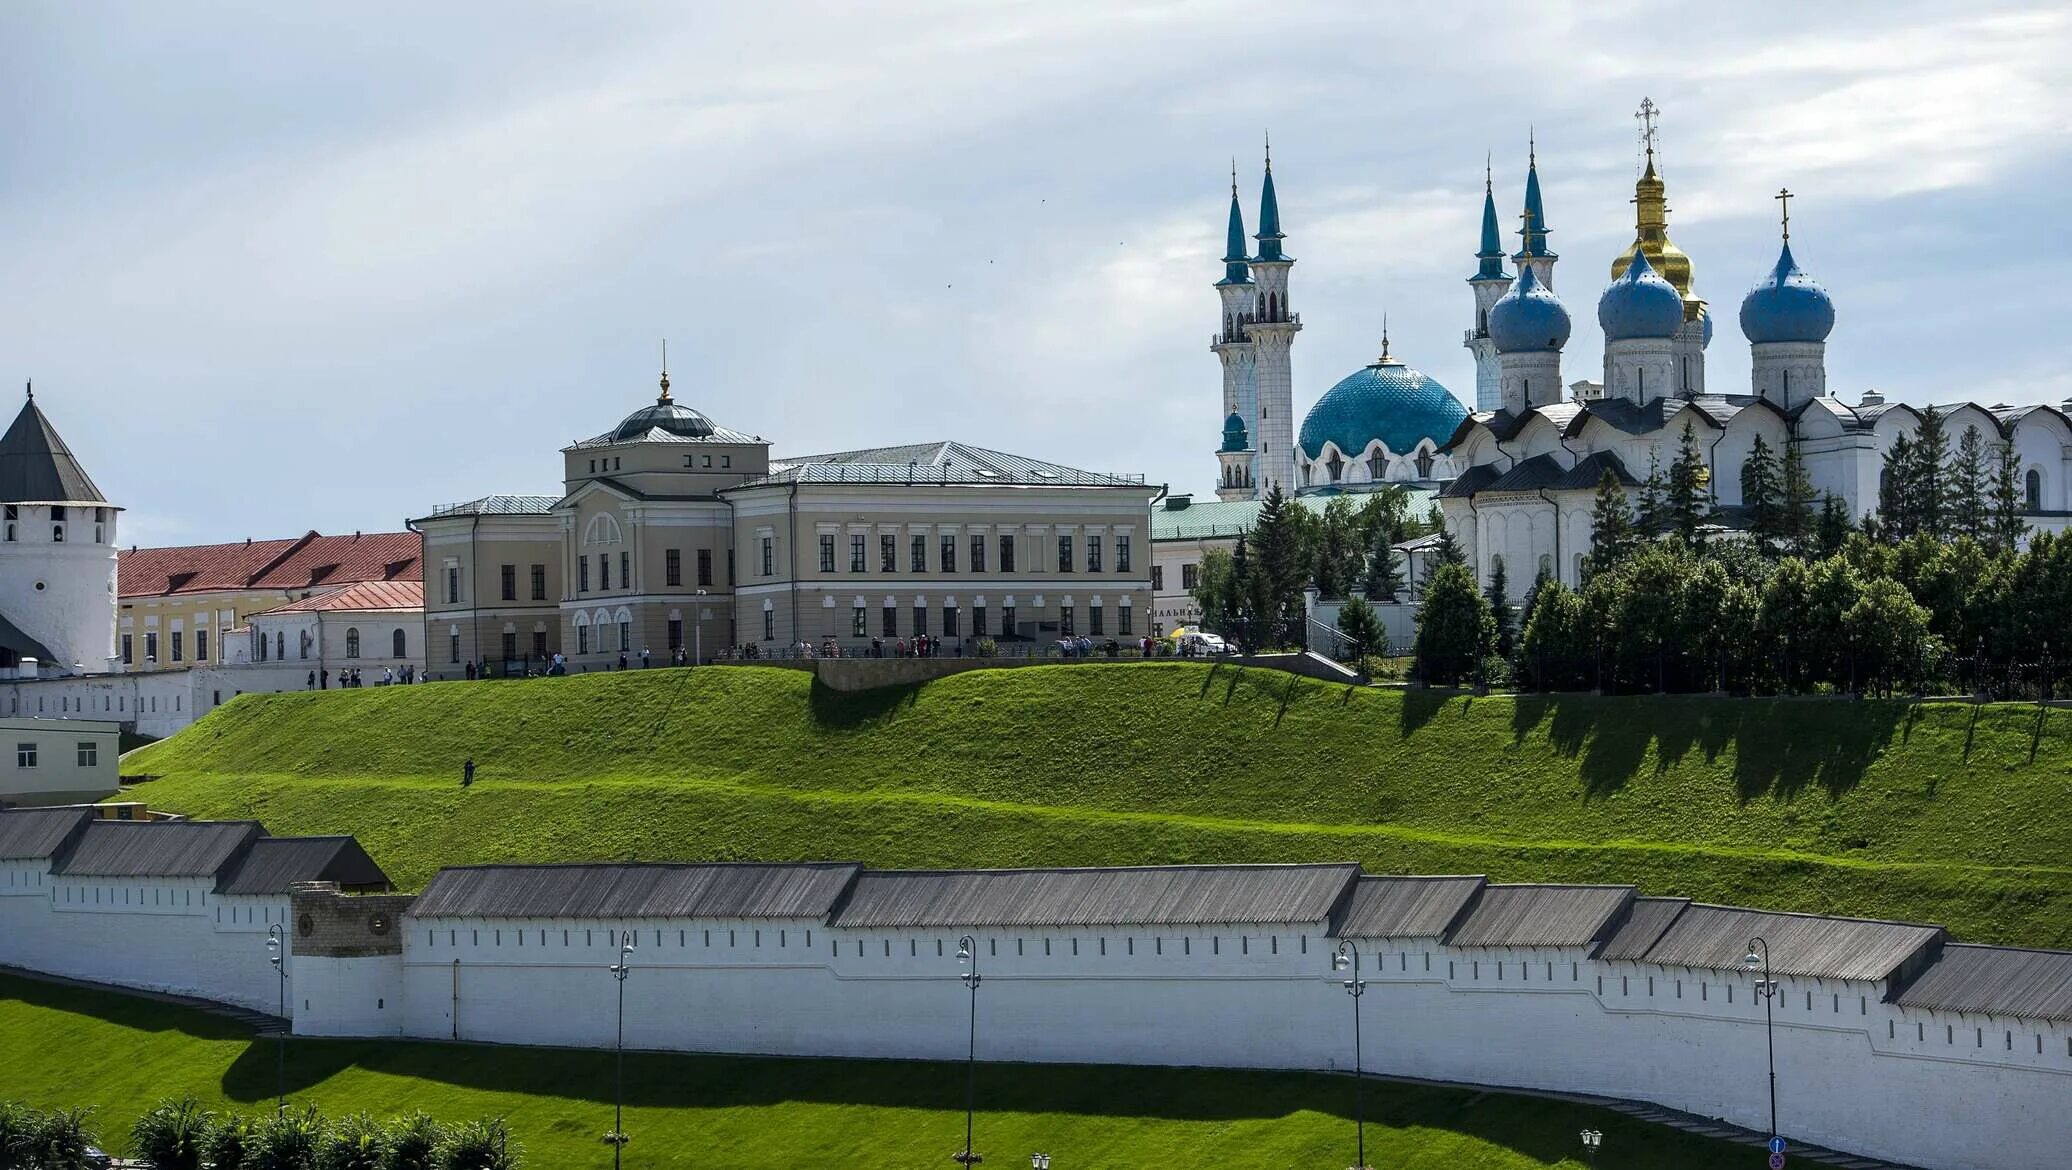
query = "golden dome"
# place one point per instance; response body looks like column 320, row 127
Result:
column 1651, row 226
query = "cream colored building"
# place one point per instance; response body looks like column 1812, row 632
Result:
column 674, row 533
column 58, row 761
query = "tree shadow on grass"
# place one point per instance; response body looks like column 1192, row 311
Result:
column 128, row 1011
column 857, row 710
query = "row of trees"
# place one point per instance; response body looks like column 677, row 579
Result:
column 1928, row 488
column 1874, row 617
column 181, row 1135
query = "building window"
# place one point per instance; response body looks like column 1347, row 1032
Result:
column 25, row 755
column 769, row 625
column 2032, row 485
column 1064, row 554
column 889, row 627
column 604, row 572
column 1007, row 621
column 978, row 553
column 859, row 622
column 201, row 646
column 827, row 554
column 129, row 650
column 626, row 570
column 1158, row 578
column 151, row 646
column 582, row 574
column 280, row 647
column 1122, row 621
column 1093, row 554
column 672, row 566
column 510, row 644
column 1093, row 621
column 675, row 633
column 1065, row 621
column 888, row 553
column 1006, row 553
column 507, row 578
column 452, row 586
column 179, row 654
column 704, row 566
column 1122, row 554
column 89, row 754
column 978, row 621
column 539, row 643
column 918, row 555
column 949, row 621
column 1190, row 576
column 397, row 646
column 352, row 642
column 920, row 621
column 769, row 556
column 582, row 641
column 625, row 636
column 453, row 647
column 539, row 582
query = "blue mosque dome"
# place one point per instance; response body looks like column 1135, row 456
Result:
column 1529, row 318
column 1388, row 401
column 1234, row 433
column 1639, row 304
column 1786, row 305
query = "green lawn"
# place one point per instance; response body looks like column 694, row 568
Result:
column 119, row 1054
column 1943, row 812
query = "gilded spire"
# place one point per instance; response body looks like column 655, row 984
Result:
column 665, row 371
column 1651, row 220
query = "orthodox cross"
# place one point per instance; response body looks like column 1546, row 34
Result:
column 1783, row 198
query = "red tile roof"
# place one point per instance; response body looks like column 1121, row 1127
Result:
column 361, row 595
column 301, row 563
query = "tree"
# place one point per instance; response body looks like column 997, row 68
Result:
column 1688, row 482
column 1383, row 580
column 1887, row 634
column 1361, row 628
column 1611, row 523
column 1796, row 521
column 1500, row 606
column 1967, row 486
column 1833, row 527
column 1760, row 492
column 1650, row 514
column 1243, row 611
column 1455, row 628
column 1895, row 490
column 1338, row 554
column 1927, row 487
column 1446, row 552
column 1216, row 590
column 1555, row 647
column 2006, row 524
column 1281, row 567
column 1781, row 622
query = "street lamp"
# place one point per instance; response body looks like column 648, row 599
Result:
column 277, row 954
column 1758, row 958
column 619, row 972
column 698, row 630
column 967, row 958
column 1348, row 957
column 1591, row 1140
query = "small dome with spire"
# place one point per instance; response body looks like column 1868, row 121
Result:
column 1640, row 304
column 1787, row 305
column 1529, row 318
column 1234, row 435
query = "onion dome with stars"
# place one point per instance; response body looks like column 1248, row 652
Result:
column 1640, row 304
column 1529, row 318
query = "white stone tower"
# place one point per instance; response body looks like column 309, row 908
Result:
column 1232, row 344
column 1273, row 335
column 1490, row 283
column 57, row 556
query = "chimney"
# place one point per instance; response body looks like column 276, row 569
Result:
column 1872, row 398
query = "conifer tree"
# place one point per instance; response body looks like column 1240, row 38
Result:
column 1454, row 626
column 1651, row 513
column 1928, row 486
column 1967, row 486
column 1499, row 595
column 1383, row 580
column 1687, row 488
column 1611, row 523
column 1279, row 569
column 1760, row 498
column 1796, row 520
column 1833, row 527
column 2006, row 524
column 1238, row 615
column 1360, row 627
column 1895, row 491
column 1447, row 552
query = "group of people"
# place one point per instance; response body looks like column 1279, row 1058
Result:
column 320, row 680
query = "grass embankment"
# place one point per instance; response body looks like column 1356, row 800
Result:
column 119, row 1054
column 1942, row 812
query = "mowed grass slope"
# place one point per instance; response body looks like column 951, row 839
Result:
column 69, row 1047
column 1941, row 812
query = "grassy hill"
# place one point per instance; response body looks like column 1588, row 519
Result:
column 120, row 1054
column 1942, row 812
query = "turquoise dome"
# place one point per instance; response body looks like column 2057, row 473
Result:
column 1234, row 433
column 1639, row 304
column 1786, row 305
column 1388, row 401
column 1529, row 318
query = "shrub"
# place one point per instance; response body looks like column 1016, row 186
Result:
column 17, row 1128
column 227, row 1141
column 57, row 1140
column 172, row 1135
column 286, row 1141
column 479, row 1145
column 413, row 1143
column 357, row 1142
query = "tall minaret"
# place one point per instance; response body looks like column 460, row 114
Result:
column 1651, row 235
column 1534, row 253
column 1233, row 345
column 1273, row 334
column 1490, row 282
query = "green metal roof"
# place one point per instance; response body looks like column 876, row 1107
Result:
column 1208, row 519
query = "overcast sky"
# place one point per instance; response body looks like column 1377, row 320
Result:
column 285, row 266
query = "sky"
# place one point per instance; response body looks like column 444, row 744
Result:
column 280, row 267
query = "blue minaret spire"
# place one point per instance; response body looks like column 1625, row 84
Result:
column 1235, row 270
column 1269, row 236
column 1535, row 233
column 1491, row 254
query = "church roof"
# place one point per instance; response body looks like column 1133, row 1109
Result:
column 1587, row 474
column 360, row 595
column 36, row 466
column 947, row 462
column 1468, row 482
column 1385, row 400
column 1540, row 471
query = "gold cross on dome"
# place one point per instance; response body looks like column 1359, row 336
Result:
column 1646, row 116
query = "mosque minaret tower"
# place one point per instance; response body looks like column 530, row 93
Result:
column 1233, row 345
column 1490, row 283
column 1273, row 336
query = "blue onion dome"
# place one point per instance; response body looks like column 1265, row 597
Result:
column 1529, row 318
column 1786, row 305
column 1639, row 304
column 1234, row 438
column 1386, row 400
column 1705, row 319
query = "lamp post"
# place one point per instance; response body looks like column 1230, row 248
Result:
column 1591, row 1140
column 1348, row 958
column 967, row 958
column 277, row 954
column 619, row 972
column 698, row 630
column 1758, row 958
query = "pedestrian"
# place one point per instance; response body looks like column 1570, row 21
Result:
column 388, row 677
column 312, row 685
column 356, row 677
column 622, row 660
column 643, row 657
column 324, row 681
column 469, row 671
column 467, row 772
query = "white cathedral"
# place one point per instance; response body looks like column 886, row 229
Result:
column 1518, row 476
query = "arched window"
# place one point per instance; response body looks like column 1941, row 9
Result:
column 352, row 642
column 1424, row 463
column 1377, row 467
column 2033, row 488
column 602, row 529
column 1336, row 466
column 396, row 645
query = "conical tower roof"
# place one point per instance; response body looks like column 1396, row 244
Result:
column 36, row 466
